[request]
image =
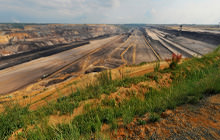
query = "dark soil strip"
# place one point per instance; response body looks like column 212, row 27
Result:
column 200, row 36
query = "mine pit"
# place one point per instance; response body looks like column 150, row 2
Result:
column 78, row 50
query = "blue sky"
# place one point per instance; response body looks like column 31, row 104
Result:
column 111, row 11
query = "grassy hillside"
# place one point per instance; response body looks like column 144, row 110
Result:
column 108, row 103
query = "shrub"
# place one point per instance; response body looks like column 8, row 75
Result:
column 175, row 60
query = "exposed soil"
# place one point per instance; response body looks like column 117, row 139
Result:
column 197, row 122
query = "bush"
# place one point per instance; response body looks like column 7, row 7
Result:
column 175, row 60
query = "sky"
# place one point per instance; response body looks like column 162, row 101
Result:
column 111, row 11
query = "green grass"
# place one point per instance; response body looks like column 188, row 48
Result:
column 108, row 102
column 12, row 119
column 142, row 122
column 192, row 81
column 154, row 117
column 157, row 67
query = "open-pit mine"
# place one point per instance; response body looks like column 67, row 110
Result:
column 55, row 53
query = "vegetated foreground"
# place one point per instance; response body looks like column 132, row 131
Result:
column 141, row 107
column 54, row 53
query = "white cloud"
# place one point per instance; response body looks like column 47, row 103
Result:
column 153, row 11
column 111, row 11
column 116, row 3
column 188, row 11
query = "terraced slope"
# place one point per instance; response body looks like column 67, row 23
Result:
column 140, row 45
